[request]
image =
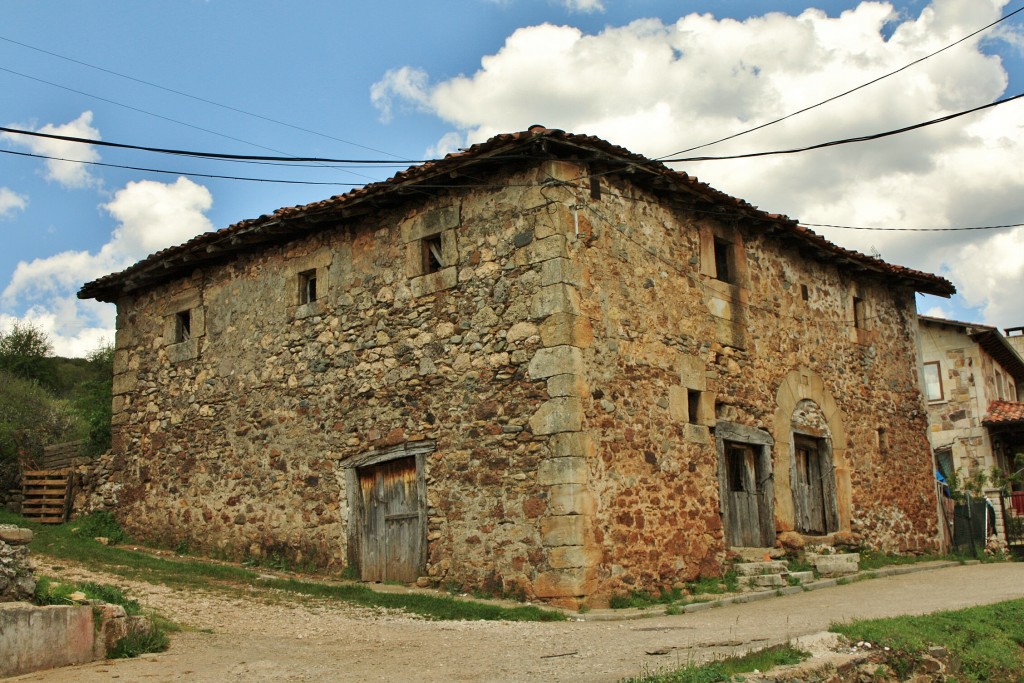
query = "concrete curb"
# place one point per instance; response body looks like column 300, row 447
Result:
column 660, row 611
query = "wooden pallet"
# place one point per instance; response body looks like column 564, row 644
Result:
column 47, row 495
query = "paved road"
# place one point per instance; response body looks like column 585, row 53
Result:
column 256, row 642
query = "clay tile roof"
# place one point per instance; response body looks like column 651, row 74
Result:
column 536, row 143
column 1004, row 413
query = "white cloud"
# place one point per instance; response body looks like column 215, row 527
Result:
column 150, row 216
column 67, row 173
column 10, row 201
column 657, row 88
column 584, row 5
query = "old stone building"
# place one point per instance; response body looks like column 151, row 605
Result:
column 543, row 365
column 973, row 379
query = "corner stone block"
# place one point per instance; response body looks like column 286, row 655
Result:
column 560, row 270
column 570, row 557
column 553, row 299
column 561, row 583
column 563, row 414
column 559, row 471
column 556, row 360
column 124, row 383
column 566, row 385
column 571, row 498
column 562, row 530
column 566, row 329
column 568, row 444
column 541, row 250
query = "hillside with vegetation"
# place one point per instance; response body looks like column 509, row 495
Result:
column 47, row 399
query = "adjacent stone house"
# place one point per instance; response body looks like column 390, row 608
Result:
column 973, row 383
column 542, row 365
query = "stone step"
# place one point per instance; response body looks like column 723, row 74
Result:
column 839, row 564
column 766, row 581
column 756, row 568
column 802, row 577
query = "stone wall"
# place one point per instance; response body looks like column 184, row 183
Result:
column 17, row 573
column 561, row 374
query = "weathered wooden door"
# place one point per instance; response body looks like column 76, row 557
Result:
column 813, row 486
column 749, row 512
column 391, row 524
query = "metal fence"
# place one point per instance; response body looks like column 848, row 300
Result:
column 1012, row 508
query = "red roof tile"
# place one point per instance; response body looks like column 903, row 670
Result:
column 1004, row 412
column 289, row 222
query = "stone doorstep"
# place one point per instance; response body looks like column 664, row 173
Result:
column 777, row 580
column 760, row 568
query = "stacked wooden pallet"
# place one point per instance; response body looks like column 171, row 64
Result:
column 47, row 495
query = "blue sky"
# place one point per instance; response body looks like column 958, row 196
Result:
column 408, row 80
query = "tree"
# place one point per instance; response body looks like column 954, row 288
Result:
column 24, row 351
column 95, row 398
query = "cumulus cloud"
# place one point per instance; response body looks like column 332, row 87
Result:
column 11, row 201
column 658, row 88
column 584, row 5
column 67, row 173
column 150, row 216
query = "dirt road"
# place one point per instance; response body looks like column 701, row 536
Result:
column 274, row 639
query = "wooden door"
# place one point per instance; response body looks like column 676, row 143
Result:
column 748, row 516
column 391, row 525
column 813, row 486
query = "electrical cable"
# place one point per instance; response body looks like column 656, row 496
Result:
column 846, row 141
column 206, row 155
column 194, row 97
column 843, row 94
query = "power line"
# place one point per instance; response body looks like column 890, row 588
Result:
column 846, row 141
column 193, row 97
column 149, row 113
column 858, row 227
column 184, row 173
column 205, row 155
column 852, row 90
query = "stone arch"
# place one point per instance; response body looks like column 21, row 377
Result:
column 802, row 384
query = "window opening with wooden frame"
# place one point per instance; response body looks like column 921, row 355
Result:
column 860, row 317
column 933, row 381
column 307, row 287
column 433, row 256
column 182, row 326
column 724, row 269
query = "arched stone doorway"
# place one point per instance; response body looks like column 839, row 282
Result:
column 812, row 473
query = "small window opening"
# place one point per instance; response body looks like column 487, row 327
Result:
column 433, row 261
column 182, row 326
column 307, row 287
column 693, row 405
column 883, row 440
column 723, row 260
column 859, row 313
column 595, row 188
column 804, row 293
column 933, row 381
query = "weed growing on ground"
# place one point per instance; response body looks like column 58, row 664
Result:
column 99, row 524
column 139, row 643
column 986, row 640
column 725, row 669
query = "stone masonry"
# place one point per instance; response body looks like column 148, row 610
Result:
column 563, row 351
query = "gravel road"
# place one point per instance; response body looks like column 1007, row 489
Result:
column 270, row 637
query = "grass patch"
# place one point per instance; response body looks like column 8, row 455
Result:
column 140, row 643
column 870, row 559
column 988, row 641
column 50, row 592
column 74, row 541
column 726, row 669
column 674, row 598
